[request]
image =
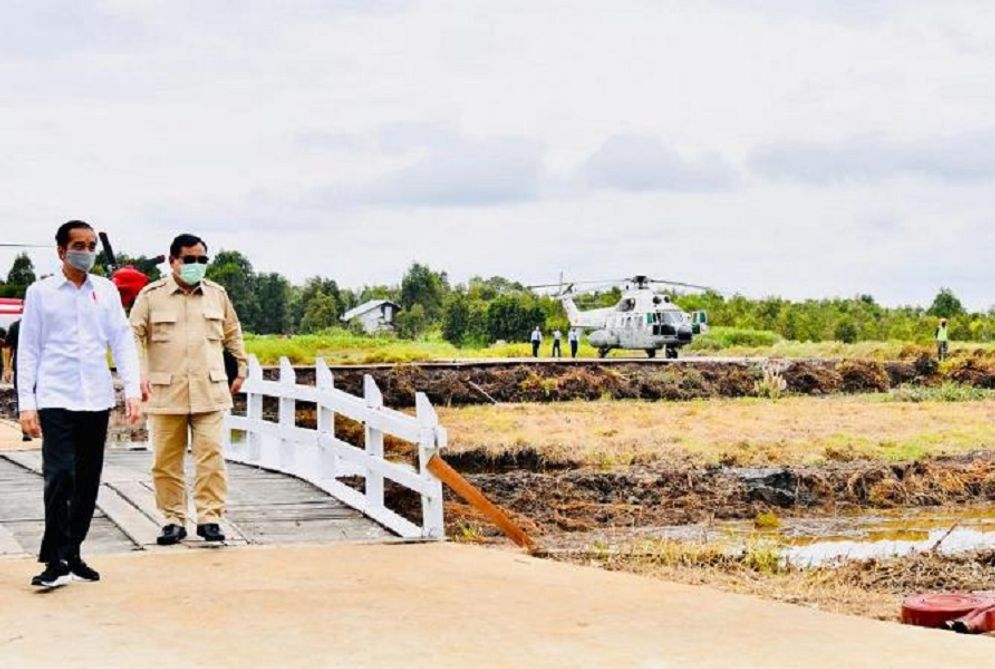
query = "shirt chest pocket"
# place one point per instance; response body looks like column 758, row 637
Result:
column 214, row 321
column 163, row 326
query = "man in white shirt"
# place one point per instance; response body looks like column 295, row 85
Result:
column 573, row 336
column 65, row 393
column 536, row 341
column 557, row 346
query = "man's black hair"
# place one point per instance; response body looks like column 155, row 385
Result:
column 183, row 241
column 62, row 234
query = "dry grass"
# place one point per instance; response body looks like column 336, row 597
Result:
column 796, row 430
column 871, row 588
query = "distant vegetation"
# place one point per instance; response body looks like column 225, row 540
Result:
column 442, row 319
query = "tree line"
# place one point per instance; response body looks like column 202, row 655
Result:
column 482, row 311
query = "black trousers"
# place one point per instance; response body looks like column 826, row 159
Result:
column 535, row 349
column 573, row 349
column 72, row 459
column 557, row 351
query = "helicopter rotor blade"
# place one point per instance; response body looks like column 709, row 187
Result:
column 108, row 251
column 23, row 246
column 577, row 283
column 682, row 284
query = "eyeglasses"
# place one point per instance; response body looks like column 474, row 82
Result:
column 190, row 260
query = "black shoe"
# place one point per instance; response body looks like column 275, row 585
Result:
column 81, row 571
column 171, row 534
column 25, row 437
column 210, row 532
column 56, row 574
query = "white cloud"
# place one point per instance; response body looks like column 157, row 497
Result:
column 711, row 141
column 640, row 163
column 958, row 158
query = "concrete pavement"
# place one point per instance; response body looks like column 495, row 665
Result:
column 427, row 605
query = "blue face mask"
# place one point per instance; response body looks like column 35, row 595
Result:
column 193, row 273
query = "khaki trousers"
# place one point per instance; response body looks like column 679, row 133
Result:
column 169, row 438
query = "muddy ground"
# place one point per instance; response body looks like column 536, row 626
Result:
column 690, row 379
column 550, row 501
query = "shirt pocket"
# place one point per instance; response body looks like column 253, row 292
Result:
column 163, row 326
column 214, row 321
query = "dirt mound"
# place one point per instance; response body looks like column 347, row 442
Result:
column 813, row 378
column 863, row 376
column 974, row 371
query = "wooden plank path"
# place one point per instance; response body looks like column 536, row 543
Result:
column 263, row 508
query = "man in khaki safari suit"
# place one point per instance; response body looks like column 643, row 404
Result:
column 183, row 324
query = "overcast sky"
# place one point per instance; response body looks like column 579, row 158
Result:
column 791, row 147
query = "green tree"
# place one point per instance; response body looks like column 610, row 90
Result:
column 20, row 276
column 411, row 323
column 312, row 288
column 234, row 271
column 512, row 317
column 274, row 293
column 321, row 313
column 946, row 305
column 456, row 318
column 846, row 332
column 423, row 286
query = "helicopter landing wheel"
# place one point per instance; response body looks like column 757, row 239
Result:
column 602, row 352
column 651, row 353
column 671, row 353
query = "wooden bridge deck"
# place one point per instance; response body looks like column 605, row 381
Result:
column 264, row 508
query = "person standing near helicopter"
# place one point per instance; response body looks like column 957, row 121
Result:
column 573, row 336
column 557, row 347
column 536, row 341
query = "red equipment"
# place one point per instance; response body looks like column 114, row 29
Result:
column 129, row 282
column 958, row 611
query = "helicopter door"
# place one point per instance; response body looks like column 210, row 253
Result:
column 699, row 322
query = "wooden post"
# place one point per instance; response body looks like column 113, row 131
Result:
column 254, row 411
column 327, row 464
column 465, row 489
column 374, row 446
column 288, row 415
column 432, row 439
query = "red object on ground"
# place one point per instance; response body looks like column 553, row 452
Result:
column 129, row 282
column 937, row 610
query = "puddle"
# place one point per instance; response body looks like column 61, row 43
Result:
column 822, row 541
column 883, row 535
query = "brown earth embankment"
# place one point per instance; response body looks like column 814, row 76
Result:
column 685, row 380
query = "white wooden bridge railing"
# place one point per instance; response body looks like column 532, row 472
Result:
column 319, row 457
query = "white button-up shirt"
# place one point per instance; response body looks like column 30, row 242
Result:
column 62, row 350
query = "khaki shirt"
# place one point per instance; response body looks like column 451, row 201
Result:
column 181, row 338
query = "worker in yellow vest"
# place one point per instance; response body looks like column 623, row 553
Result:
column 942, row 340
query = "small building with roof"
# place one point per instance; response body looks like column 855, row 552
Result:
column 375, row 315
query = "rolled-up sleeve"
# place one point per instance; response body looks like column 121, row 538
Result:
column 29, row 351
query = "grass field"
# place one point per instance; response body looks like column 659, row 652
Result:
column 793, row 430
column 341, row 347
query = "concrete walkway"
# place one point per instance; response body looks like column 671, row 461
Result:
column 428, row 605
column 10, row 437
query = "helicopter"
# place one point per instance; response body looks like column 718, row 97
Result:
column 643, row 319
